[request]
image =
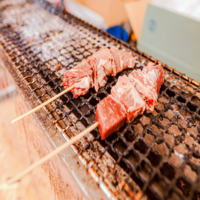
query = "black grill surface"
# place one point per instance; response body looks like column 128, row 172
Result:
column 157, row 156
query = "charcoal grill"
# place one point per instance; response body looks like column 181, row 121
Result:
column 157, row 156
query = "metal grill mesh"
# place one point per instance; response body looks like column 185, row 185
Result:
column 157, row 156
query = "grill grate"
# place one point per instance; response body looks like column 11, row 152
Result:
column 159, row 151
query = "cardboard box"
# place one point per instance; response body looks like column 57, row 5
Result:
column 136, row 12
column 113, row 11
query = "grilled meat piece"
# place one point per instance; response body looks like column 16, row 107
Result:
column 156, row 75
column 110, row 116
column 122, row 60
column 107, row 62
column 125, row 93
column 81, row 76
column 145, row 88
column 102, row 65
column 129, row 98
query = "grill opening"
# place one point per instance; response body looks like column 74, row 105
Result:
column 170, row 93
column 137, row 179
column 163, row 87
column 93, row 102
column 101, row 96
column 168, row 171
column 184, row 186
column 84, row 122
column 125, row 166
column 133, row 157
column 86, row 96
column 144, row 171
column 112, row 138
column 120, row 146
column 191, row 106
column 158, row 186
column 181, row 99
column 186, row 94
column 141, row 146
column 177, row 89
column 154, row 158
column 196, row 100
column 112, row 153
column 76, row 113
column 130, row 136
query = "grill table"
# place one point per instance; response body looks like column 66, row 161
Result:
column 157, row 156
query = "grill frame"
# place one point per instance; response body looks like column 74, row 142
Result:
column 170, row 70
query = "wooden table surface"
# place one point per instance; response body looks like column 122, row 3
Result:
column 15, row 154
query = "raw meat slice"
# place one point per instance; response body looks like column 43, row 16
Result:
column 156, row 75
column 125, row 93
column 122, row 60
column 81, row 76
column 110, row 116
column 102, row 64
column 145, row 88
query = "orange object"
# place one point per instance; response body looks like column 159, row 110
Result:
column 112, row 11
column 133, row 37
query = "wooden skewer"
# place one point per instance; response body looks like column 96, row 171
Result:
column 42, row 105
column 53, row 153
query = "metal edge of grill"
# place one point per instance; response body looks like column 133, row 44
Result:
column 168, row 93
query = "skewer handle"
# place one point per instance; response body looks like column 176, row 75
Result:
column 53, row 153
column 42, row 105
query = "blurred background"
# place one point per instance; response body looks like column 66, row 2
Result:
column 167, row 30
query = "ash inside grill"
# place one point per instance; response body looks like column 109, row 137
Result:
column 159, row 151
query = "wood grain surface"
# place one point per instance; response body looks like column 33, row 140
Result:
column 23, row 143
column 17, row 153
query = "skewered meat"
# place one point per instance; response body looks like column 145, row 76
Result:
column 145, row 88
column 81, row 76
column 122, row 60
column 95, row 71
column 125, row 93
column 110, row 116
column 102, row 64
column 130, row 95
column 156, row 75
